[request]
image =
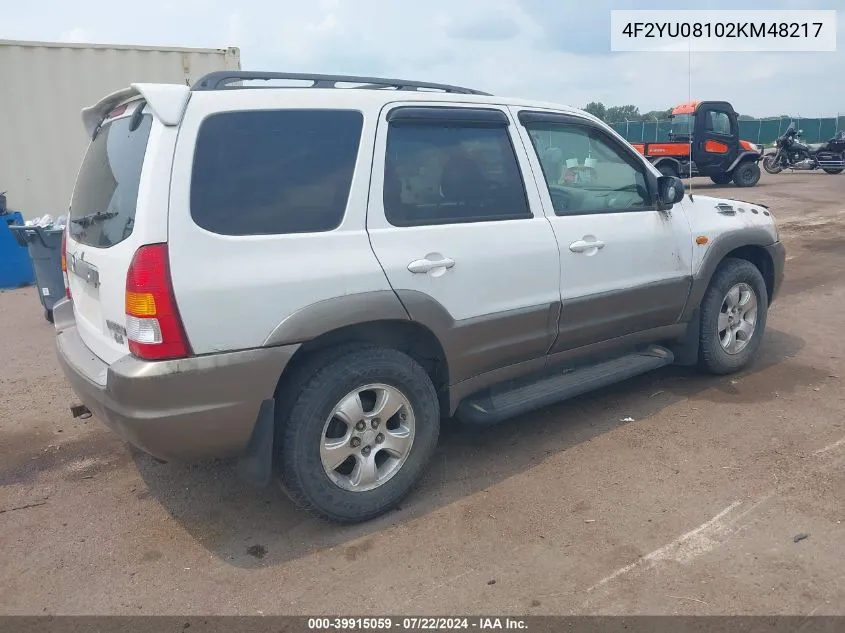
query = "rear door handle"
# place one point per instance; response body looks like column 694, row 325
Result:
column 581, row 246
column 427, row 265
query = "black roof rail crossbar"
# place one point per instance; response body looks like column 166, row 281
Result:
column 220, row 80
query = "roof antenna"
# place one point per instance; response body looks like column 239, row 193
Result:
column 692, row 118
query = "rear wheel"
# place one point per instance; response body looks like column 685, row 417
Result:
column 835, row 170
column 359, row 434
column 48, row 314
column 733, row 317
column 746, row 174
column 721, row 179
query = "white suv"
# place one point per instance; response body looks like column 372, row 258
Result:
column 311, row 278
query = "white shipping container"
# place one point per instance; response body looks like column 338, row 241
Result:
column 43, row 88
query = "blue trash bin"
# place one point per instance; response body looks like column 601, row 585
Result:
column 15, row 266
column 45, row 250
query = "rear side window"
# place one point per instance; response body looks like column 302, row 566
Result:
column 448, row 173
column 272, row 172
column 102, row 210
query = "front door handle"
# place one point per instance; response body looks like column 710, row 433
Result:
column 427, row 265
column 582, row 246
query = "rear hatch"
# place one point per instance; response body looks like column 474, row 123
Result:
column 101, row 236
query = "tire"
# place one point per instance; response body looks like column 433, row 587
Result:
column 330, row 494
column 770, row 165
column 721, row 179
column 48, row 314
column 746, row 174
column 668, row 169
column 715, row 356
column 836, row 170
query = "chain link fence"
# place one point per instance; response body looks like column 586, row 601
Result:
column 760, row 131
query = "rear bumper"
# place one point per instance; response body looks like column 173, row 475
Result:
column 187, row 409
column 777, row 253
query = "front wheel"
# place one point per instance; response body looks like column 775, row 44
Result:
column 772, row 165
column 359, row 435
column 746, row 174
column 733, row 317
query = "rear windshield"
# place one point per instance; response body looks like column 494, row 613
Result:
column 682, row 124
column 274, row 171
column 102, row 211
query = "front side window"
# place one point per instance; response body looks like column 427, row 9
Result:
column 272, row 172
column 445, row 173
column 718, row 122
column 586, row 172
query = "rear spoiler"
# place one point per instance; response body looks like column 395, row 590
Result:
column 167, row 102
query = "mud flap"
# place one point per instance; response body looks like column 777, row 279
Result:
column 686, row 352
column 256, row 464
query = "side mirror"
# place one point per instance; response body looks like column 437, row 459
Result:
column 670, row 190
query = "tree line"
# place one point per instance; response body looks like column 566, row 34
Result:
column 617, row 114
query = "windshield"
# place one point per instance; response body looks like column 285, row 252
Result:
column 102, row 210
column 682, row 124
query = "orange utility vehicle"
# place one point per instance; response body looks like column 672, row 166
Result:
column 704, row 141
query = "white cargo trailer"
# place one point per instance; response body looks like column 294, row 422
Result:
column 43, row 88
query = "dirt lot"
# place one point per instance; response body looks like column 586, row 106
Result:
column 692, row 507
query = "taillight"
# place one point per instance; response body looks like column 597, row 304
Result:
column 153, row 325
column 64, row 263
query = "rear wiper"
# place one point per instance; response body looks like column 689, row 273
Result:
column 91, row 218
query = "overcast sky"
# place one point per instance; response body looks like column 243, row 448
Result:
column 556, row 50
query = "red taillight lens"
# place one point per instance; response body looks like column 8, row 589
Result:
column 64, row 263
column 153, row 325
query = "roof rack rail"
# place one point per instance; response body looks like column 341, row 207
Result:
column 221, row 80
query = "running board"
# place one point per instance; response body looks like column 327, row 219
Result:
column 514, row 398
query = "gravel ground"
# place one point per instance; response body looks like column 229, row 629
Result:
column 694, row 507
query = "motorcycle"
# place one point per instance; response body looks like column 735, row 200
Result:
column 791, row 153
